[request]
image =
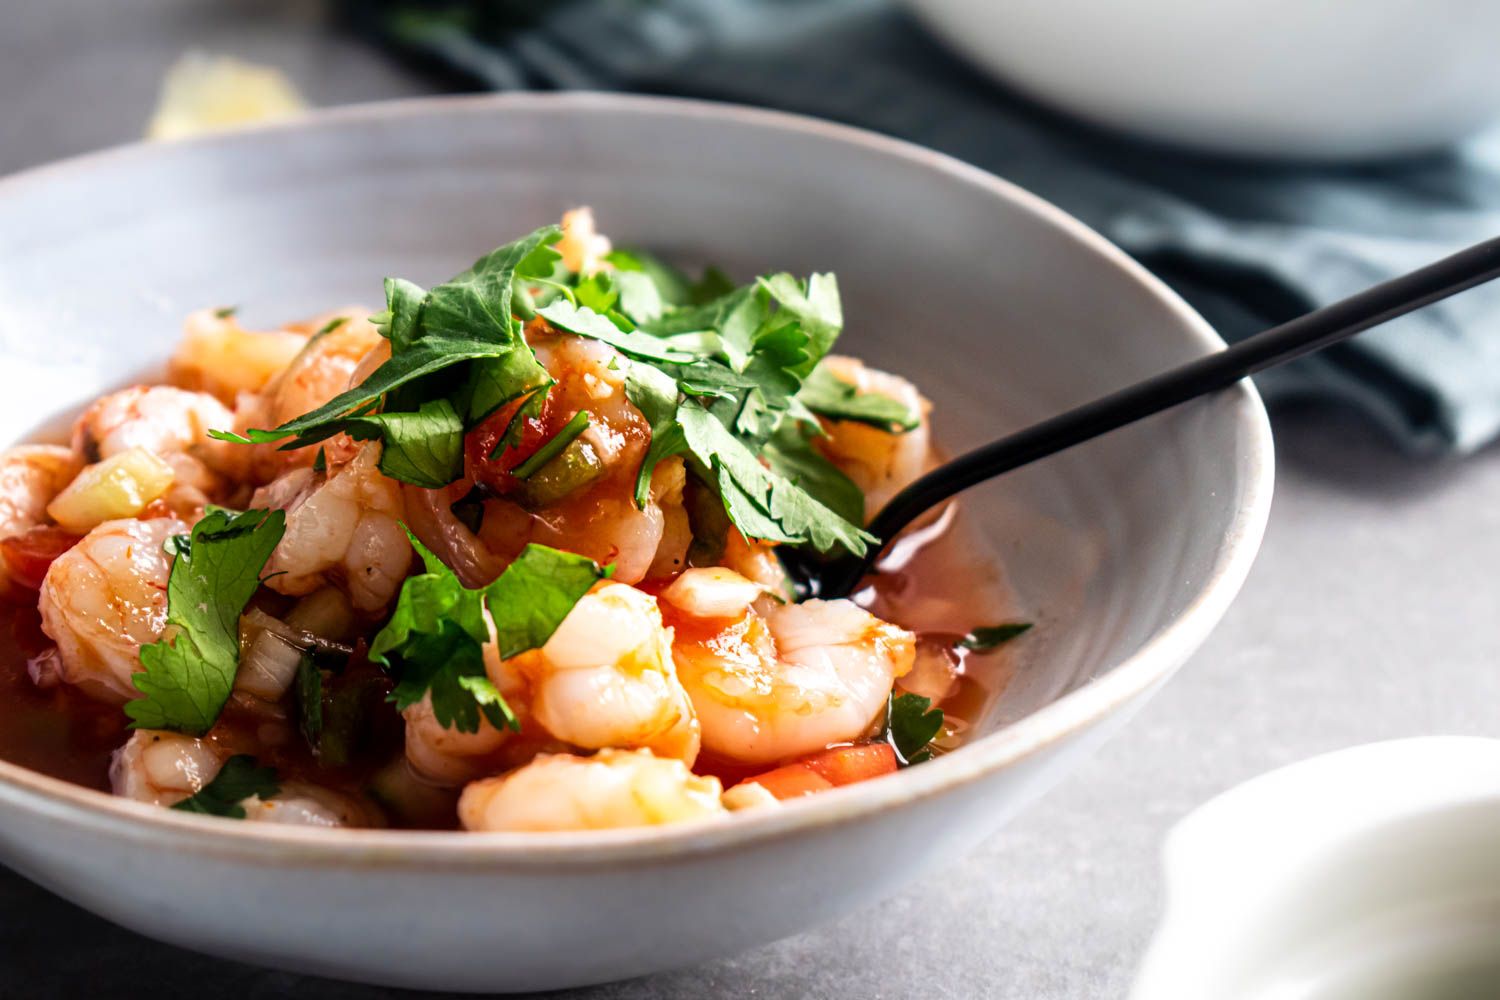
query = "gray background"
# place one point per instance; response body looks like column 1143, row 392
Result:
column 1366, row 617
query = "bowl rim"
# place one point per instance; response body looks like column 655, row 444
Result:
column 58, row 801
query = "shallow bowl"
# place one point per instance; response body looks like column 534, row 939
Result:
column 999, row 306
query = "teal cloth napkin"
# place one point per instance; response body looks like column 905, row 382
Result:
column 1249, row 244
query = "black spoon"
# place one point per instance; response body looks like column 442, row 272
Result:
column 1303, row 335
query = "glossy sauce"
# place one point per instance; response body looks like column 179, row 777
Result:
column 936, row 581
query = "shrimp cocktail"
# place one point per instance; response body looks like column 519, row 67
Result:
column 503, row 556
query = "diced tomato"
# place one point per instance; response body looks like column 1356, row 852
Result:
column 846, row 765
column 28, row 555
column 494, row 473
column 828, row 769
column 791, row 780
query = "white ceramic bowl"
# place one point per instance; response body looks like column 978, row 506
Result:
column 1366, row 874
column 1277, row 78
column 1001, row 307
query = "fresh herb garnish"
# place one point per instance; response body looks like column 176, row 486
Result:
column 535, row 593
column 425, row 448
column 331, row 325
column 434, row 641
column 224, row 312
column 726, row 377
column 987, row 637
column 239, row 779
column 829, row 396
column 189, row 673
column 911, row 724
column 553, row 446
column 457, row 355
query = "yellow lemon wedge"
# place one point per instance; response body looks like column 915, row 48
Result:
column 206, row 93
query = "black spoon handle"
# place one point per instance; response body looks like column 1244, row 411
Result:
column 1312, row 332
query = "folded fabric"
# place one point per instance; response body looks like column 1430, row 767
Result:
column 1249, row 244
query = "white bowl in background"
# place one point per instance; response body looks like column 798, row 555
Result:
column 1270, row 78
column 1366, row 874
column 1001, row 307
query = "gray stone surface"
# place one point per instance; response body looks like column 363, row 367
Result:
column 1368, row 616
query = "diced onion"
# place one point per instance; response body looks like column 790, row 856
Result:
column 268, row 664
column 324, row 613
column 120, row 486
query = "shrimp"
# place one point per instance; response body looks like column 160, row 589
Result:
column 606, row 678
column 582, row 247
column 218, row 356
column 597, row 516
column 30, row 476
column 613, row 788
column 324, row 367
column 775, row 681
column 880, row 462
column 330, row 361
column 301, row 803
column 449, row 757
column 343, row 527
column 173, row 425
column 164, row 768
column 105, row 598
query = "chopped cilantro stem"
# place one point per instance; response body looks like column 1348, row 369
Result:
column 553, row 446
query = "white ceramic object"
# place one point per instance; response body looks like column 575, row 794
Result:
column 1273, row 78
column 1001, row 307
column 1367, row 874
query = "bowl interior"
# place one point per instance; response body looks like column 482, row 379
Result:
column 1001, row 309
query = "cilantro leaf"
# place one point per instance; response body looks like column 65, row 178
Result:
column 911, row 725
column 815, row 305
column 761, row 503
column 792, row 455
column 535, row 593
column 597, row 292
column 189, row 673
column 424, row 357
column 824, row 393
column 449, row 664
column 402, row 319
column 639, row 298
column 987, row 637
column 477, row 303
column 425, row 448
column 239, row 779
column 465, row 324
column 671, row 285
column 586, row 322
column 492, row 382
column 656, row 395
column 434, row 641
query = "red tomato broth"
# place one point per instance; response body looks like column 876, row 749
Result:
column 934, row 581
